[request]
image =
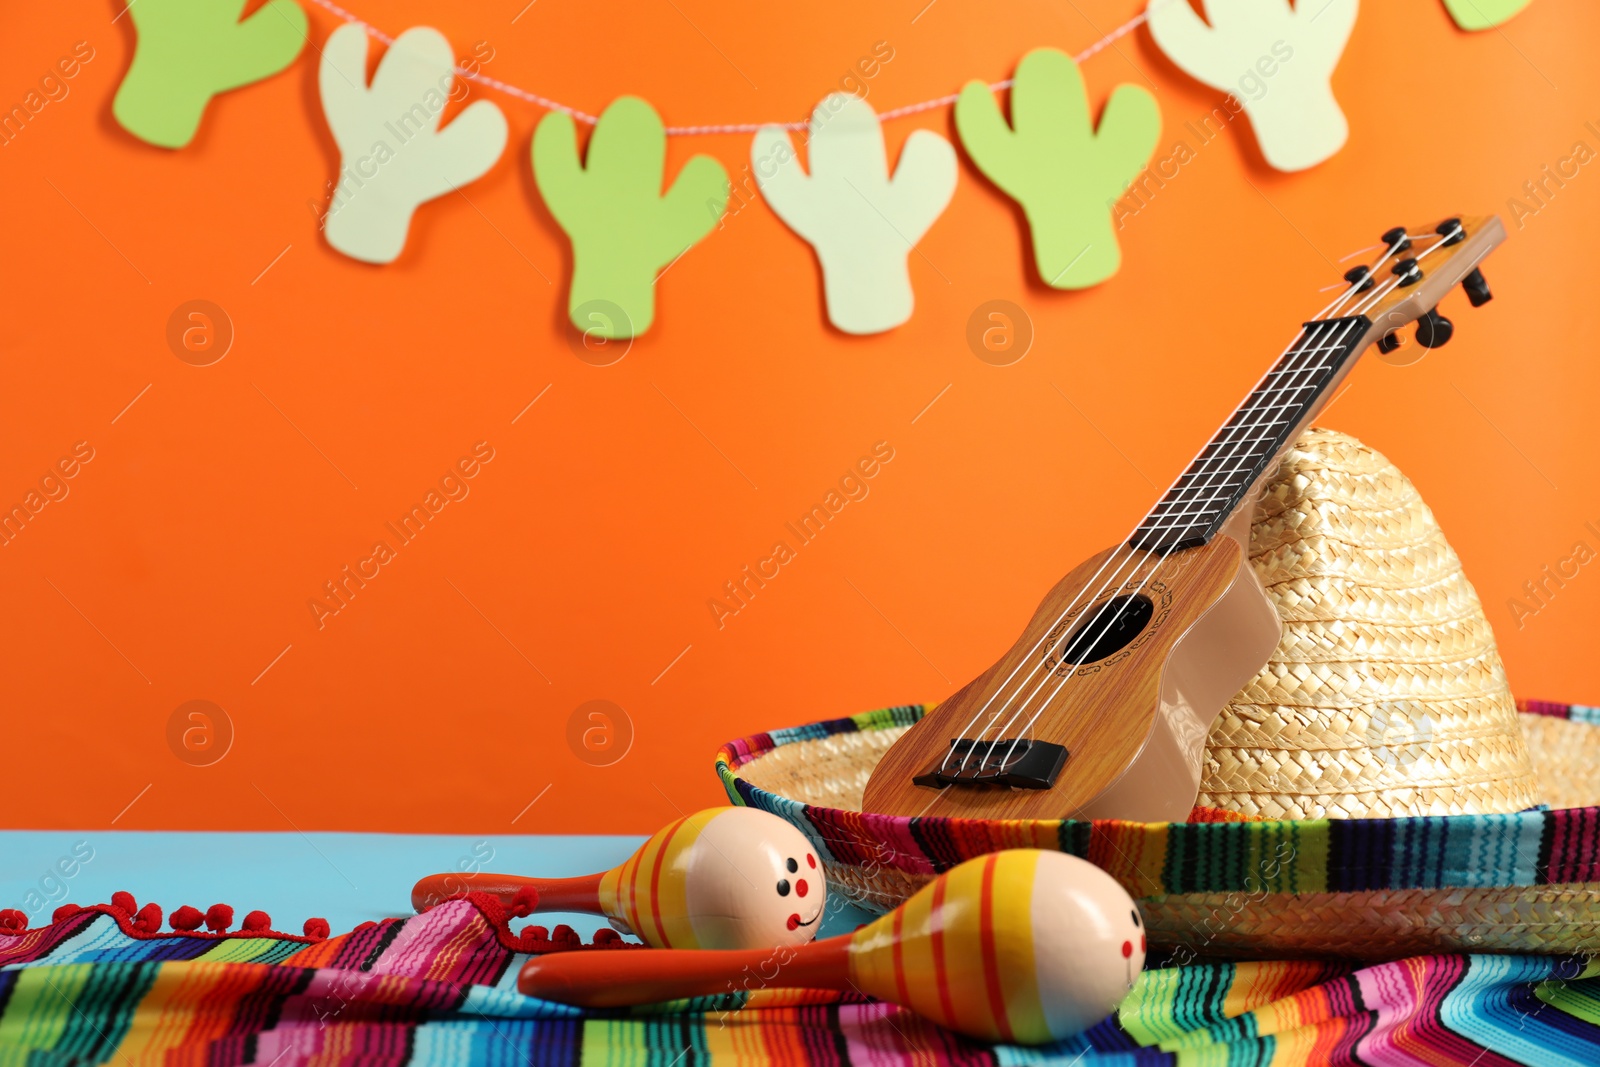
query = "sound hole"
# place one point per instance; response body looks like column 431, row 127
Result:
column 1110, row 629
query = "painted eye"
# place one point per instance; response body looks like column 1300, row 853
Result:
column 1135, row 914
column 783, row 888
column 792, row 865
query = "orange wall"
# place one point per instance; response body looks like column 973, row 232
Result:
column 181, row 562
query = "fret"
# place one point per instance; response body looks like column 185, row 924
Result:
column 1202, row 499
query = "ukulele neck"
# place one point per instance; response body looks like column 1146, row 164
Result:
column 1220, row 478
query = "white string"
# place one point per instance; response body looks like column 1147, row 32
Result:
column 1355, row 287
column 1327, row 310
column 1131, row 554
column 730, row 127
column 1224, row 456
column 1228, row 455
column 1330, row 310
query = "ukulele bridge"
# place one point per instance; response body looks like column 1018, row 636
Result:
column 1017, row 763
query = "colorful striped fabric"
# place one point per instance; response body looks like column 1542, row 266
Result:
column 440, row 989
column 1575, row 712
column 1310, row 856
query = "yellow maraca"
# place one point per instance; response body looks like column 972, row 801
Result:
column 1023, row 946
column 723, row 878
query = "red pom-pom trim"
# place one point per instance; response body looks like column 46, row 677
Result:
column 145, row 923
column 13, row 921
column 148, row 921
column 525, row 903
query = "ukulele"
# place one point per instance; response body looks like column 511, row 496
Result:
column 1102, row 707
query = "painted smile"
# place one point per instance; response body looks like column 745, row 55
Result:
column 795, row 923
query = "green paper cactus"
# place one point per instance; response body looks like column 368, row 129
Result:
column 623, row 230
column 1483, row 14
column 191, row 50
column 1053, row 161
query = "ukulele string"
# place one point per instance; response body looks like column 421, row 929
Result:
column 1221, row 464
column 1128, row 554
column 1381, row 291
column 1195, row 509
column 1132, row 554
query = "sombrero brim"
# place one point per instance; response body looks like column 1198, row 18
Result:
column 1369, row 889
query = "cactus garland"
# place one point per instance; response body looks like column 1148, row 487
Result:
column 1483, row 14
column 861, row 222
column 1276, row 60
column 623, row 229
column 626, row 224
column 1054, row 162
column 392, row 154
column 189, row 51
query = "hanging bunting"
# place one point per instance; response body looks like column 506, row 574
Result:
column 861, row 222
column 1483, row 14
column 623, row 230
column 626, row 223
column 1054, row 162
column 189, row 51
column 1276, row 60
column 392, row 154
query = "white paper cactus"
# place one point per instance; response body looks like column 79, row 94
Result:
column 862, row 222
column 1275, row 59
column 392, row 154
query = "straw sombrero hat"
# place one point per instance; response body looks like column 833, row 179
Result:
column 1373, row 792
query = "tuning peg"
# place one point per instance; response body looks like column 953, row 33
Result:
column 1361, row 277
column 1389, row 342
column 1476, row 288
column 1434, row 330
column 1452, row 231
column 1397, row 240
column 1408, row 271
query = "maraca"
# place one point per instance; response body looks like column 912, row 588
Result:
column 723, row 878
column 1023, row 946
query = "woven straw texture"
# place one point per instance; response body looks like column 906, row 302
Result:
column 1386, row 696
column 1565, row 745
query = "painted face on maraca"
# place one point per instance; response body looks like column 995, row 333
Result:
column 754, row 881
column 724, row 878
column 1089, row 941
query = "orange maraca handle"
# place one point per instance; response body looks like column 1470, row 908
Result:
column 554, row 894
column 619, row 979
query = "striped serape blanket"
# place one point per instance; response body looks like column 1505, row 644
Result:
column 100, row 985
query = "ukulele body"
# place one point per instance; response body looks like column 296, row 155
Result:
column 1134, row 722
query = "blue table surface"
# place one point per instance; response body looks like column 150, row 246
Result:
column 345, row 878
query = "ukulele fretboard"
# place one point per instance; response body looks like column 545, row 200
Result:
column 1203, row 498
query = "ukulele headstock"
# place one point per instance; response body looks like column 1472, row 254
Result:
column 1416, row 269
